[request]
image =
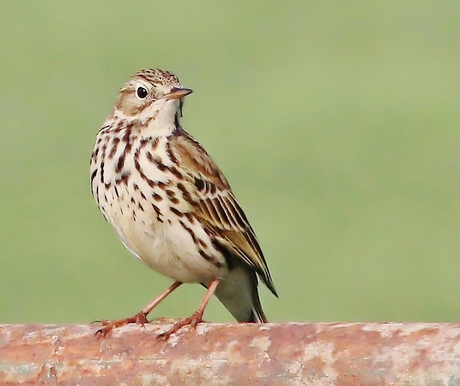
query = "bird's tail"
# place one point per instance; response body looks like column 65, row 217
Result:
column 238, row 293
column 258, row 315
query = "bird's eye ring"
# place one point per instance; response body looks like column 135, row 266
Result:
column 141, row 92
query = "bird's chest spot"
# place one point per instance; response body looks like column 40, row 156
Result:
column 131, row 176
column 142, row 197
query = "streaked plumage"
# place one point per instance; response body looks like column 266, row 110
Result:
column 168, row 201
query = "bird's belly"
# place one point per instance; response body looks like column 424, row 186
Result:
column 166, row 245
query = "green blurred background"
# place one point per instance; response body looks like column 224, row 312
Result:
column 337, row 124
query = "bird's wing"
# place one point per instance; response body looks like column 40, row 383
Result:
column 215, row 204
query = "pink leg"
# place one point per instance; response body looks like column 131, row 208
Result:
column 140, row 317
column 197, row 317
column 149, row 307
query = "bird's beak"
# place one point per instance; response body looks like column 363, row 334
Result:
column 177, row 93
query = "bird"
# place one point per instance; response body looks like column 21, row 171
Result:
column 170, row 204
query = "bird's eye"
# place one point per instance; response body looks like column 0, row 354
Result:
column 141, row 92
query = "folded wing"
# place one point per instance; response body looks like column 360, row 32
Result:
column 215, row 205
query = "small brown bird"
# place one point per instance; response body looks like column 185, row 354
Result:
column 170, row 204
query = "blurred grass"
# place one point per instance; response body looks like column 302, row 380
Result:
column 336, row 123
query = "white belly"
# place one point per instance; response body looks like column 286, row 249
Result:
column 139, row 209
column 166, row 247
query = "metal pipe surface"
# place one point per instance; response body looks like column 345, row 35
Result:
column 342, row 354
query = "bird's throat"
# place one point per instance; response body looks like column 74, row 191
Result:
column 165, row 120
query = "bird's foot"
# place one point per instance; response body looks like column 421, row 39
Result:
column 108, row 325
column 192, row 321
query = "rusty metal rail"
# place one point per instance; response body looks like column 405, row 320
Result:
column 342, row 354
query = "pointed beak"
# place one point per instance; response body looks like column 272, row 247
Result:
column 177, row 93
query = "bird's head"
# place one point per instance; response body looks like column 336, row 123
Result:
column 152, row 93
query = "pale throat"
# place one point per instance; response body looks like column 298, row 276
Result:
column 166, row 116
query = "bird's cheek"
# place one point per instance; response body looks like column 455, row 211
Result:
column 131, row 107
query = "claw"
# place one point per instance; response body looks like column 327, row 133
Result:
column 108, row 326
column 192, row 321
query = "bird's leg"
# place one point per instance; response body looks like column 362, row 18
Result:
column 197, row 317
column 140, row 317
